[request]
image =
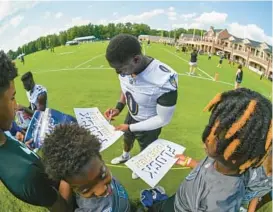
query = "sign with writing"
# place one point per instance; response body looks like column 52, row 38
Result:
column 94, row 121
column 43, row 123
column 155, row 161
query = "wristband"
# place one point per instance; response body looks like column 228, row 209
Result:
column 189, row 161
column 186, row 162
column 120, row 106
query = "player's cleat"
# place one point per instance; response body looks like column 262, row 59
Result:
column 134, row 176
column 120, row 159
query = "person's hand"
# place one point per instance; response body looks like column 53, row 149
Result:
column 27, row 143
column 20, row 136
column 183, row 160
column 110, row 113
column 122, row 127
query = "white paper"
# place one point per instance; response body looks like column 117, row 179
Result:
column 152, row 164
column 94, row 121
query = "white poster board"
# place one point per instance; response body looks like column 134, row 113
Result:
column 92, row 120
column 155, row 161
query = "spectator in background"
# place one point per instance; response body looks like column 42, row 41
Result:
column 239, row 76
column 193, row 62
column 209, row 54
column 220, row 61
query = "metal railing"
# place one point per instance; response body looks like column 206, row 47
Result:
column 228, row 49
column 218, row 46
column 240, row 53
column 258, row 59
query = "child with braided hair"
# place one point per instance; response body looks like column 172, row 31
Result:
column 238, row 137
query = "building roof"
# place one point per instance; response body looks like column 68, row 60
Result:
column 269, row 47
column 218, row 30
column 269, row 50
column 236, row 39
column 72, row 41
column 254, row 43
column 257, row 44
column 20, row 55
column 85, row 38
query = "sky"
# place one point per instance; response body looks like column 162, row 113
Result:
column 24, row 21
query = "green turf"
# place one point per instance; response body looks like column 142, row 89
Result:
column 90, row 85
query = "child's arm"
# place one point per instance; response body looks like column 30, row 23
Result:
column 252, row 205
column 186, row 161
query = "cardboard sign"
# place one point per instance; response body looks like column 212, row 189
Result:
column 94, row 121
column 152, row 164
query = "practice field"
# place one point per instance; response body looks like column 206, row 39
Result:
column 79, row 76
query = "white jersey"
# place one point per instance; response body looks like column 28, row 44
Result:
column 33, row 96
column 142, row 91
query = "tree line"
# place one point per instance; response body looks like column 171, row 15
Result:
column 101, row 32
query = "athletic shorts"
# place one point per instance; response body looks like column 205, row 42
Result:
column 220, row 62
column 193, row 64
column 144, row 138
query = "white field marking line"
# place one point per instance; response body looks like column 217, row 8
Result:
column 93, row 58
column 188, row 62
column 205, row 73
column 204, row 78
column 101, row 66
column 187, row 74
column 225, row 83
column 63, row 53
column 69, row 69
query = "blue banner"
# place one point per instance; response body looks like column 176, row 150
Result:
column 43, row 123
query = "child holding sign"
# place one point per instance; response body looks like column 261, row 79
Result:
column 71, row 153
column 237, row 139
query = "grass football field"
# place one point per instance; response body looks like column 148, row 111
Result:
column 79, row 76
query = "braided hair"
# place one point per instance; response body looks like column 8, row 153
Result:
column 240, row 128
